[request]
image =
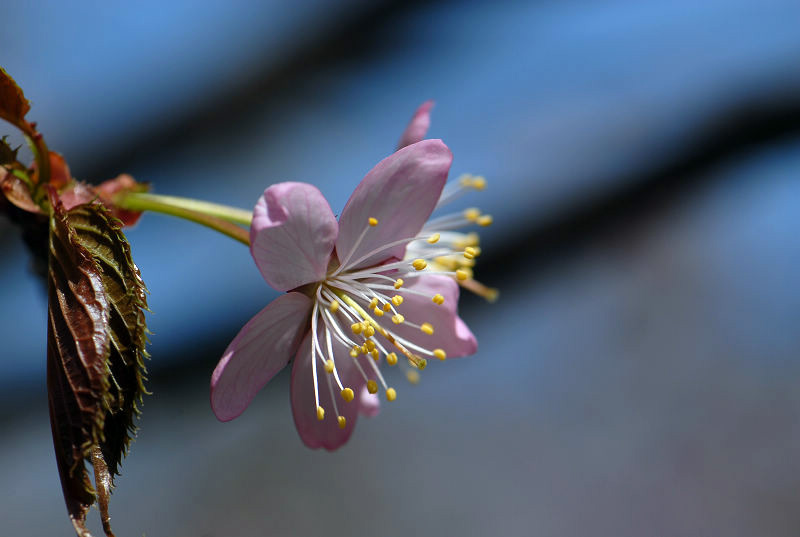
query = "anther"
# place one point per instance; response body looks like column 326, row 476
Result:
column 485, row 220
column 420, row 363
column 370, row 345
column 348, row 394
column 398, row 283
column 397, row 300
column 334, row 307
column 433, row 239
column 320, row 413
column 375, row 354
column 472, row 214
column 427, row 328
column 419, row 264
column 355, row 351
column 413, row 376
column 440, row 354
column 356, row 328
column 373, row 222
column 478, row 182
column 329, row 366
column 342, row 422
column 377, row 311
column 470, row 252
column 387, row 307
column 369, row 331
column 438, row 299
column 391, row 358
column 398, row 319
column 462, row 274
column 391, row 394
column 372, row 386
column 373, row 303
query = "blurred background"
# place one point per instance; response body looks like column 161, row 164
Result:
column 639, row 374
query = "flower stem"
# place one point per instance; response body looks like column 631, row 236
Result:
column 223, row 212
column 217, row 217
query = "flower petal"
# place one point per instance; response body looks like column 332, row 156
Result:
column 400, row 192
column 325, row 433
column 450, row 333
column 292, row 235
column 370, row 403
column 262, row 348
column 418, row 126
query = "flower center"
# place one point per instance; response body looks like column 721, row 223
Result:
column 361, row 309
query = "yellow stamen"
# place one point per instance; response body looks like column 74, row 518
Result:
column 391, row 394
column 372, row 386
column 433, row 239
column 438, row 299
column 370, row 345
column 398, row 319
column 397, row 300
column 398, row 283
column 320, row 413
column 427, row 328
column 373, row 326
column 419, row 264
column 375, row 355
column 373, row 222
column 470, row 252
column 413, row 376
column 377, row 311
column 348, row 394
column 440, row 354
column 355, row 351
column 462, row 274
column 342, row 422
column 391, row 358
column 373, row 303
column 478, row 182
column 447, row 262
column 356, row 328
column 489, row 293
column 387, row 307
column 472, row 214
column 334, row 307
column 485, row 220
column 329, row 366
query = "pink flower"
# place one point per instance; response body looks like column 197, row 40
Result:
column 352, row 298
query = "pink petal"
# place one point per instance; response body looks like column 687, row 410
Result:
column 326, row 433
column 292, row 235
column 400, row 192
column 370, row 403
column 418, row 126
column 262, row 348
column 450, row 333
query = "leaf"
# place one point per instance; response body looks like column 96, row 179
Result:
column 7, row 155
column 99, row 232
column 95, row 350
column 13, row 104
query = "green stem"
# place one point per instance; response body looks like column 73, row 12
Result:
column 217, row 217
column 223, row 212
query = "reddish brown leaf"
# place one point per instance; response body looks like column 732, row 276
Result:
column 13, row 104
column 96, row 340
column 77, row 374
column 17, row 192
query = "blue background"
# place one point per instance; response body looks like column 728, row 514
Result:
column 638, row 375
